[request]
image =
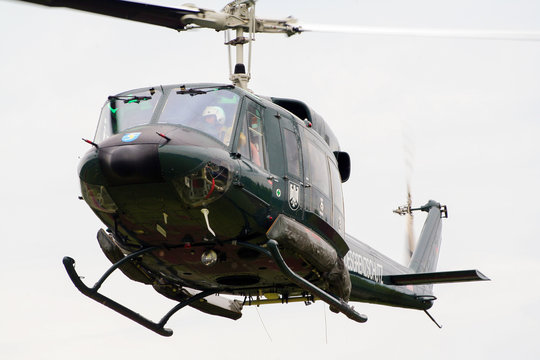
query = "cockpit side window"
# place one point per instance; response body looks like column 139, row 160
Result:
column 251, row 137
column 243, row 147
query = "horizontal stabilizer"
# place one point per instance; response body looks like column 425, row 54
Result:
column 434, row 277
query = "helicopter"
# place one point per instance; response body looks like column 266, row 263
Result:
column 246, row 211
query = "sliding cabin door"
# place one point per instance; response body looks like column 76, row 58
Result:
column 293, row 188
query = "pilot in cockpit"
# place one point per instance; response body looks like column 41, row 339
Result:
column 213, row 123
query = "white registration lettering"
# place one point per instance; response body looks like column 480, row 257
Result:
column 364, row 266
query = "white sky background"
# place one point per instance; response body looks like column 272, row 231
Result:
column 471, row 107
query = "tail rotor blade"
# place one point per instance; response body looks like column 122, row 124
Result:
column 410, row 224
column 408, row 157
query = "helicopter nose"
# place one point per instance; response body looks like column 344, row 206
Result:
column 144, row 157
column 130, row 164
column 188, row 163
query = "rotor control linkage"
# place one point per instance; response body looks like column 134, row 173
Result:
column 341, row 305
column 407, row 209
column 93, row 294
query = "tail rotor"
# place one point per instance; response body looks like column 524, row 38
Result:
column 407, row 210
column 410, row 224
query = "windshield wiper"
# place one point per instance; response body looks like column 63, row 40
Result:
column 199, row 91
column 191, row 92
column 130, row 98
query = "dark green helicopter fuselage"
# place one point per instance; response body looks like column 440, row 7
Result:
column 159, row 176
column 208, row 189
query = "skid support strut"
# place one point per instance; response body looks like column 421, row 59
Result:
column 341, row 305
column 93, row 294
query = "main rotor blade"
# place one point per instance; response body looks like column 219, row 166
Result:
column 146, row 13
column 440, row 33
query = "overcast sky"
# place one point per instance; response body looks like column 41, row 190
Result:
column 471, row 109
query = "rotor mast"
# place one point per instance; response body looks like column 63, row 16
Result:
column 244, row 10
column 239, row 77
column 239, row 15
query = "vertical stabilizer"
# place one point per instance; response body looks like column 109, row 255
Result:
column 426, row 254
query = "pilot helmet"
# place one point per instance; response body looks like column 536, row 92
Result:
column 217, row 112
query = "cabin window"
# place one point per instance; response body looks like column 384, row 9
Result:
column 292, row 153
column 337, row 190
column 274, row 143
column 251, row 138
column 319, row 169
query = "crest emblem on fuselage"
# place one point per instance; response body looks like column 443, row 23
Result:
column 129, row 137
column 294, row 191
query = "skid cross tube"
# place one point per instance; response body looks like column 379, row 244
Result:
column 117, row 265
column 93, row 294
column 339, row 304
column 274, row 253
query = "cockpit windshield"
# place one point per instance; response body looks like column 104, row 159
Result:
column 210, row 109
column 125, row 111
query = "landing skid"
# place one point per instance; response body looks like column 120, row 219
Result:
column 159, row 327
column 93, row 294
